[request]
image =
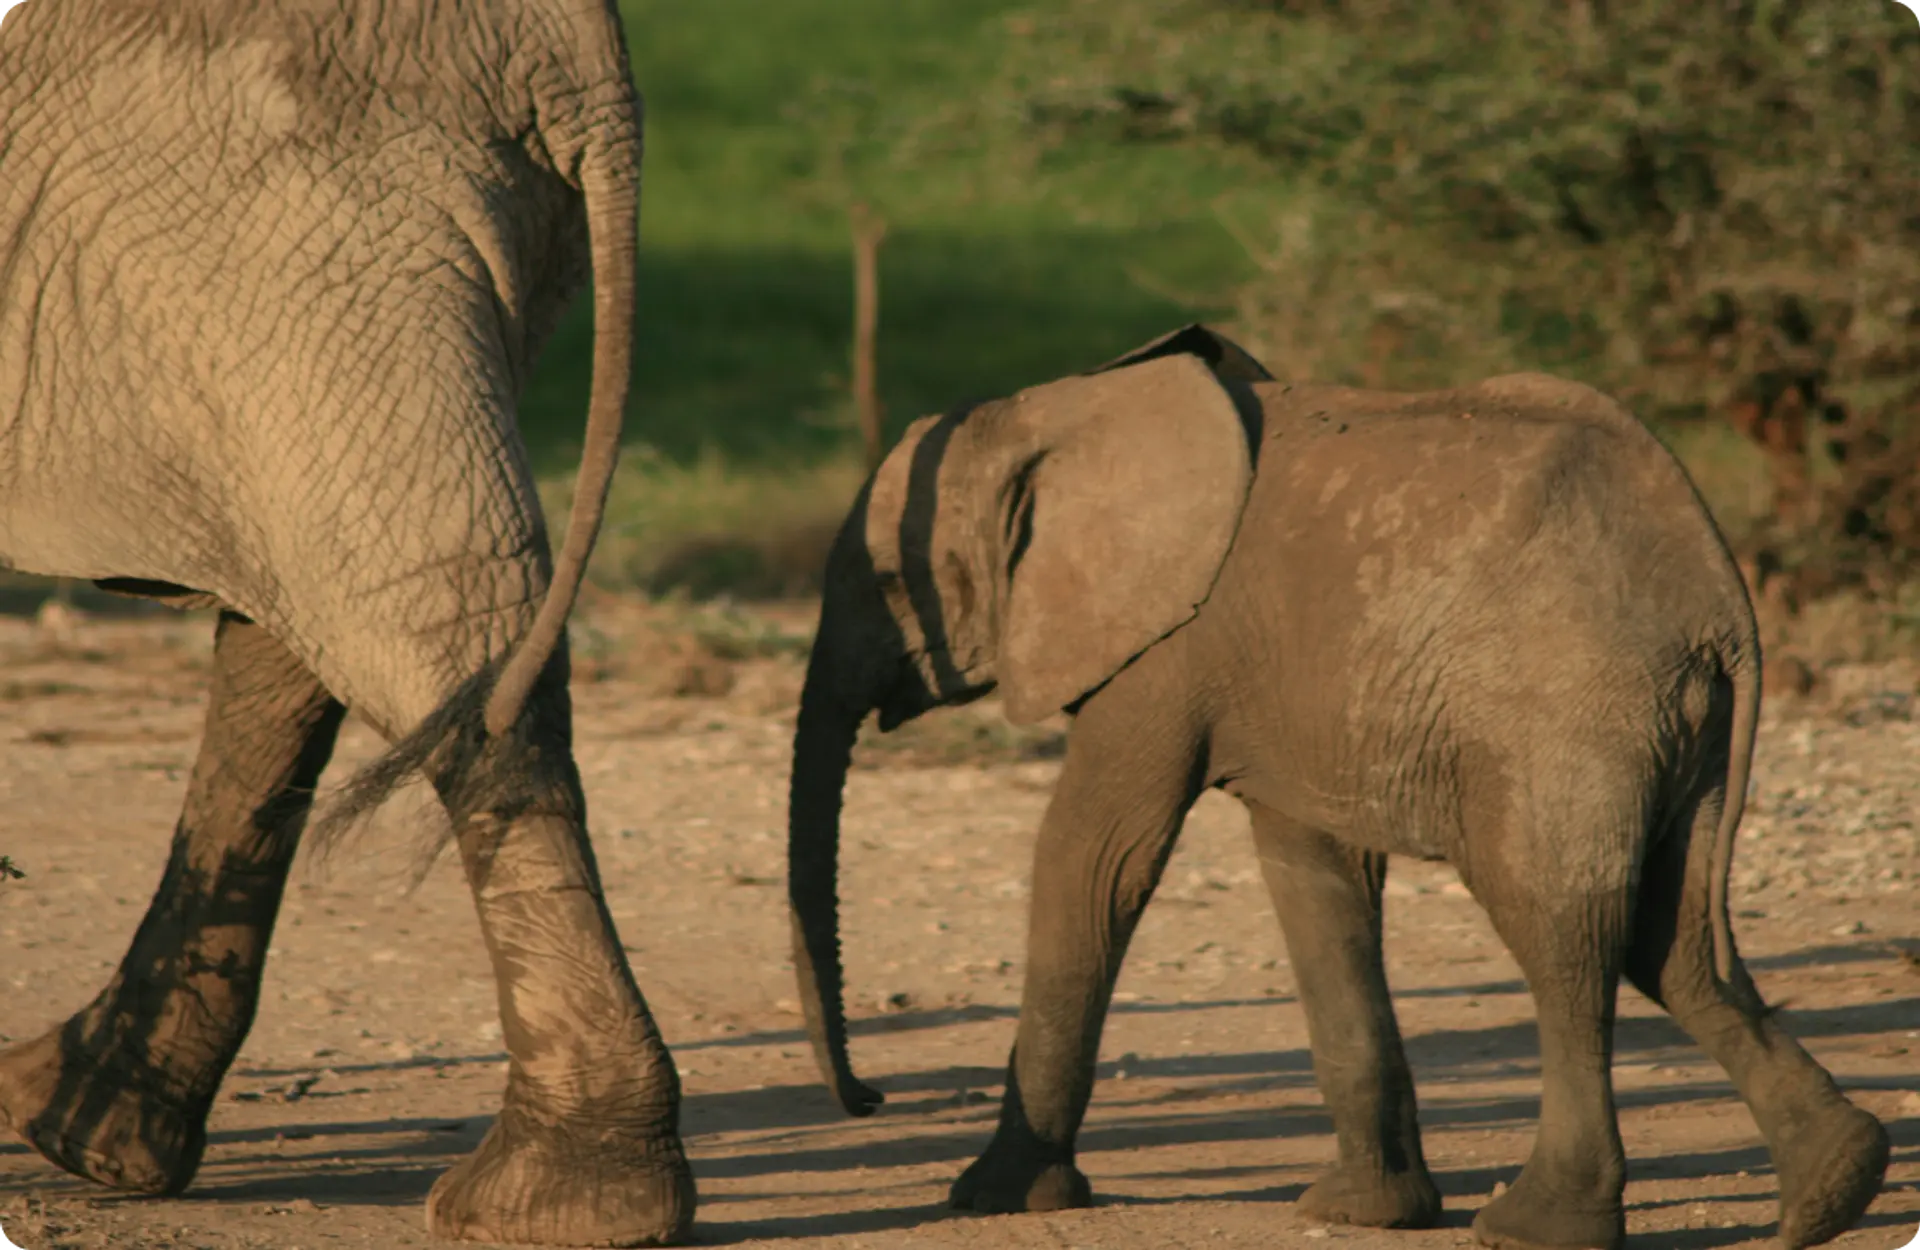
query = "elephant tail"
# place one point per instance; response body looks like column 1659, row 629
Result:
column 1742, row 669
column 610, row 180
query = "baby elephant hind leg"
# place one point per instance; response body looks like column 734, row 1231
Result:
column 1327, row 896
column 120, row 1092
column 1565, row 918
column 1830, row 1155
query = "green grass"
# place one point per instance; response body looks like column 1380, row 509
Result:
column 765, row 119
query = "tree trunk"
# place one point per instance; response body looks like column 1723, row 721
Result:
column 868, row 232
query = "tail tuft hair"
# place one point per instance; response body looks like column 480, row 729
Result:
column 448, row 742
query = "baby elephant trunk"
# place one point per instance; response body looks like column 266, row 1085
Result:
column 822, row 751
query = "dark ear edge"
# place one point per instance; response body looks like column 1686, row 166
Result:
column 1232, row 366
column 1227, row 359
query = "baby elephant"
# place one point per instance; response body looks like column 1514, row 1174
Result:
column 1492, row 626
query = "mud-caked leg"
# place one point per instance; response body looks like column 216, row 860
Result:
column 586, row 1149
column 1830, row 1155
column 1107, row 833
column 1327, row 896
column 120, row 1092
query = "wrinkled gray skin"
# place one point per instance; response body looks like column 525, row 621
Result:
column 1491, row 626
column 272, row 275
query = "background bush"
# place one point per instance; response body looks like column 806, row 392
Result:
column 1711, row 210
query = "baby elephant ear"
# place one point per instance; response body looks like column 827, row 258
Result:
column 1117, row 522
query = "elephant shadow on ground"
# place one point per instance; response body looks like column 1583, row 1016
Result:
column 1163, row 1101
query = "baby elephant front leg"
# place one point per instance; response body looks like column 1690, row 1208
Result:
column 1104, row 841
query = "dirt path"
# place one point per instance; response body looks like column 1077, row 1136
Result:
column 376, row 1058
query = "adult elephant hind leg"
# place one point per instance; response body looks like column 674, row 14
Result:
column 120, row 1092
column 1123, row 791
column 586, row 1149
column 1565, row 920
column 1327, row 897
column 1830, row 1155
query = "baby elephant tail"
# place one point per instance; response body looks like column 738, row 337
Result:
column 1742, row 669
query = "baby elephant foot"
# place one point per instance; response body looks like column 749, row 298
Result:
column 1020, row 1176
column 1522, row 1219
column 1829, row 1170
column 1372, row 1199
column 99, row 1120
column 542, row 1184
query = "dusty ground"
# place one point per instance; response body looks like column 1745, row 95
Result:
column 376, row 1058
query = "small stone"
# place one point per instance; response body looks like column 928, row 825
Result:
column 1849, row 929
column 1316, row 1232
column 1499, row 1187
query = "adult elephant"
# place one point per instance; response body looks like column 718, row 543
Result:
column 272, row 274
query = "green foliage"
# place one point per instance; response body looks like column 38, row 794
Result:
column 8, row 872
column 1706, row 209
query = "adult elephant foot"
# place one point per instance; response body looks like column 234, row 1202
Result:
column 1372, row 1199
column 99, row 1120
column 1830, row 1170
column 1020, row 1175
column 1524, row 1219
column 586, row 1150
column 537, row 1183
